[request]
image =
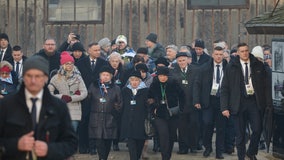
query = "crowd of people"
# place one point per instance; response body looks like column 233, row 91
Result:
column 106, row 91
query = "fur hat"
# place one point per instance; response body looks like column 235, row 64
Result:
column 105, row 42
column 142, row 50
column 257, row 52
column 4, row 36
column 77, row 47
column 135, row 74
column 141, row 67
column 163, row 71
column 121, row 38
column 36, row 62
column 65, row 57
column 162, row 60
column 199, row 43
column 152, row 37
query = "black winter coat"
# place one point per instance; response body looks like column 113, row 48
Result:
column 174, row 93
column 203, row 84
column 133, row 116
column 233, row 81
column 202, row 59
column 103, row 122
column 54, row 60
column 54, row 126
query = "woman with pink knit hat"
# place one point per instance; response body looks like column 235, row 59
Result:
column 69, row 86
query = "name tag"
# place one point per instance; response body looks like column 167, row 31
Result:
column 118, row 82
column 163, row 102
column 133, row 102
column 249, row 88
column 214, row 90
column 184, row 82
column 4, row 92
column 102, row 100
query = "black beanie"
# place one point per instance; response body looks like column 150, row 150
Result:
column 163, row 71
column 4, row 36
column 142, row 51
column 135, row 74
column 152, row 37
column 141, row 67
column 77, row 47
column 199, row 43
column 162, row 60
column 106, row 69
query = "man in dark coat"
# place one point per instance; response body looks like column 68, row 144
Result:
column 50, row 53
column 185, row 74
column 198, row 55
column 206, row 96
column 34, row 123
column 89, row 67
column 243, row 97
column 155, row 49
column 5, row 48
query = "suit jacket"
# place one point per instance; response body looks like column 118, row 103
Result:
column 8, row 55
column 202, row 59
column 54, row 126
column 84, row 66
column 203, row 84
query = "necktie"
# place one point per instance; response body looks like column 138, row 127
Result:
column 246, row 73
column 1, row 54
column 33, row 113
column 183, row 70
column 17, row 68
column 218, row 74
column 93, row 65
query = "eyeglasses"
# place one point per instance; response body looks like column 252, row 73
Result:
column 267, row 56
column 69, row 64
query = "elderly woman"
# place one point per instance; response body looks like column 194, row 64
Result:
column 134, row 112
column 69, row 86
column 105, row 98
column 165, row 94
column 8, row 79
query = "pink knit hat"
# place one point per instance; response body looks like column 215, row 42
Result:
column 66, row 57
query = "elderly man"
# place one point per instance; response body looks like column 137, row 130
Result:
column 155, row 49
column 34, row 124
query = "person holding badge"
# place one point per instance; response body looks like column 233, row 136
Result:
column 105, row 98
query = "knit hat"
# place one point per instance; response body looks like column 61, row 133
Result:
column 121, row 38
column 180, row 54
column 199, row 43
column 77, row 47
column 36, row 62
column 152, row 37
column 106, row 69
column 141, row 67
column 172, row 46
column 77, row 36
column 113, row 42
column 65, row 57
column 4, row 36
column 105, row 42
column 163, row 71
column 135, row 74
column 257, row 52
column 142, row 50
column 162, row 60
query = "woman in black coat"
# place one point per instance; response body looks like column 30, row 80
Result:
column 165, row 93
column 105, row 98
column 134, row 112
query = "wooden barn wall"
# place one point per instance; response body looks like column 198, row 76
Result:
column 24, row 22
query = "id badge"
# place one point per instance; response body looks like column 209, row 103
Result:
column 133, row 102
column 249, row 89
column 4, row 92
column 102, row 100
column 184, row 82
column 163, row 102
column 214, row 90
column 118, row 82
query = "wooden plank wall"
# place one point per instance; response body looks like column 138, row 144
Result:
column 24, row 22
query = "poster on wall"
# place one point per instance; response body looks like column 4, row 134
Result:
column 277, row 72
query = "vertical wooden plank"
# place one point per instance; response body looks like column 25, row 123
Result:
column 135, row 30
column 82, row 28
column 4, row 13
column 153, row 21
column 225, row 25
column 117, row 17
column 207, row 28
column 108, row 20
column 189, row 24
column 126, row 20
column 171, row 21
column 12, row 33
column 30, row 29
column 144, row 21
column 180, row 23
column 163, row 19
column 234, row 27
column 39, row 24
column 217, row 28
column 252, row 12
column 99, row 30
column 57, row 34
column 90, row 37
column 22, row 12
column 198, row 24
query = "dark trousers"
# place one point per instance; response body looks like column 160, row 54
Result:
column 230, row 135
column 135, row 147
column 103, row 148
column 188, row 130
column 83, row 127
column 167, row 130
column 248, row 113
column 211, row 117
